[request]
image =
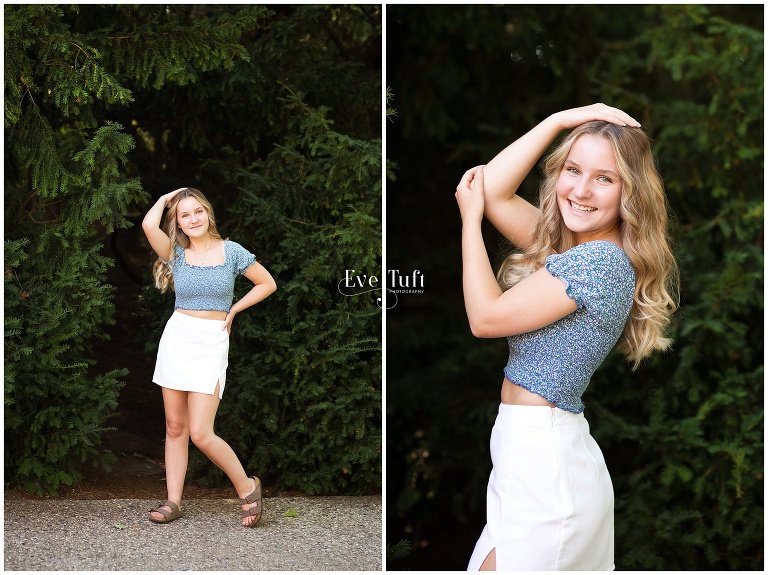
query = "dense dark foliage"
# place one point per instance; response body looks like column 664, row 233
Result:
column 274, row 112
column 683, row 435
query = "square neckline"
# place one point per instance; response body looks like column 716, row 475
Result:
column 186, row 263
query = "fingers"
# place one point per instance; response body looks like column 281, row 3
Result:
column 577, row 116
column 615, row 115
column 170, row 195
column 174, row 193
column 470, row 176
column 466, row 180
column 479, row 177
column 469, row 194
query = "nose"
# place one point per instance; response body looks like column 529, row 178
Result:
column 583, row 188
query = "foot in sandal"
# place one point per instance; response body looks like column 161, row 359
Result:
column 165, row 513
column 252, row 504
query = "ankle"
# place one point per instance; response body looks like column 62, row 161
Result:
column 249, row 487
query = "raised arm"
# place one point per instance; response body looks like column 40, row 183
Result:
column 510, row 214
column 158, row 239
column 536, row 301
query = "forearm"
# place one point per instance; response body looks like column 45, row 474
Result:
column 154, row 216
column 258, row 293
column 507, row 170
column 478, row 280
column 505, row 173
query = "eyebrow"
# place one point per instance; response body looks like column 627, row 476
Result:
column 601, row 170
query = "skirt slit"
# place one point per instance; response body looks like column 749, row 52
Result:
column 549, row 496
column 192, row 355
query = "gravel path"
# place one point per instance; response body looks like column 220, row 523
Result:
column 328, row 534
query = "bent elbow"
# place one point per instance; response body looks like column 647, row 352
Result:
column 148, row 226
column 477, row 332
column 482, row 330
column 484, row 334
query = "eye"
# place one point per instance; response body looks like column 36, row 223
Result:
column 605, row 179
column 571, row 170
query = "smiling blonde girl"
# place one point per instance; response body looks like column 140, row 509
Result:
column 595, row 269
column 192, row 356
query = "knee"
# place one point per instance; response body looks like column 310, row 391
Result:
column 176, row 428
column 201, row 436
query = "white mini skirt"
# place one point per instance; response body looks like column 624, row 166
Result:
column 550, row 498
column 192, row 355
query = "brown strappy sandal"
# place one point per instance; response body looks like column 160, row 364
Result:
column 173, row 515
column 254, row 497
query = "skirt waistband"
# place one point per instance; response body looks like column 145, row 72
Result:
column 195, row 323
column 537, row 415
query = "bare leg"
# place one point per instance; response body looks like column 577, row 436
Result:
column 489, row 564
column 176, row 444
column 202, row 411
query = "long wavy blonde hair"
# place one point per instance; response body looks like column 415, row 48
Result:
column 643, row 226
column 161, row 272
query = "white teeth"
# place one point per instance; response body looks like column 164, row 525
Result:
column 581, row 208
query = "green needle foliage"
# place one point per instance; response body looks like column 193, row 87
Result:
column 275, row 113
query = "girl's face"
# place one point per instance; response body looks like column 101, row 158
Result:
column 192, row 217
column 589, row 189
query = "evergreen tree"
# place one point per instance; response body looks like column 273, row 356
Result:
column 105, row 102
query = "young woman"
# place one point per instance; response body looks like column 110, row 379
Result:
column 595, row 269
column 200, row 267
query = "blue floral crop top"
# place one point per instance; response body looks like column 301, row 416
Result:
column 208, row 287
column 558, row 360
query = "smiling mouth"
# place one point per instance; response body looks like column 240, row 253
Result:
column 580, row 208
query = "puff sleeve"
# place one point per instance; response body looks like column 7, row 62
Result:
column 242, row 259
column 596, row 275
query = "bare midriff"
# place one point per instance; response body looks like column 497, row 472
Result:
column 513, row 394
column 204, row 314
